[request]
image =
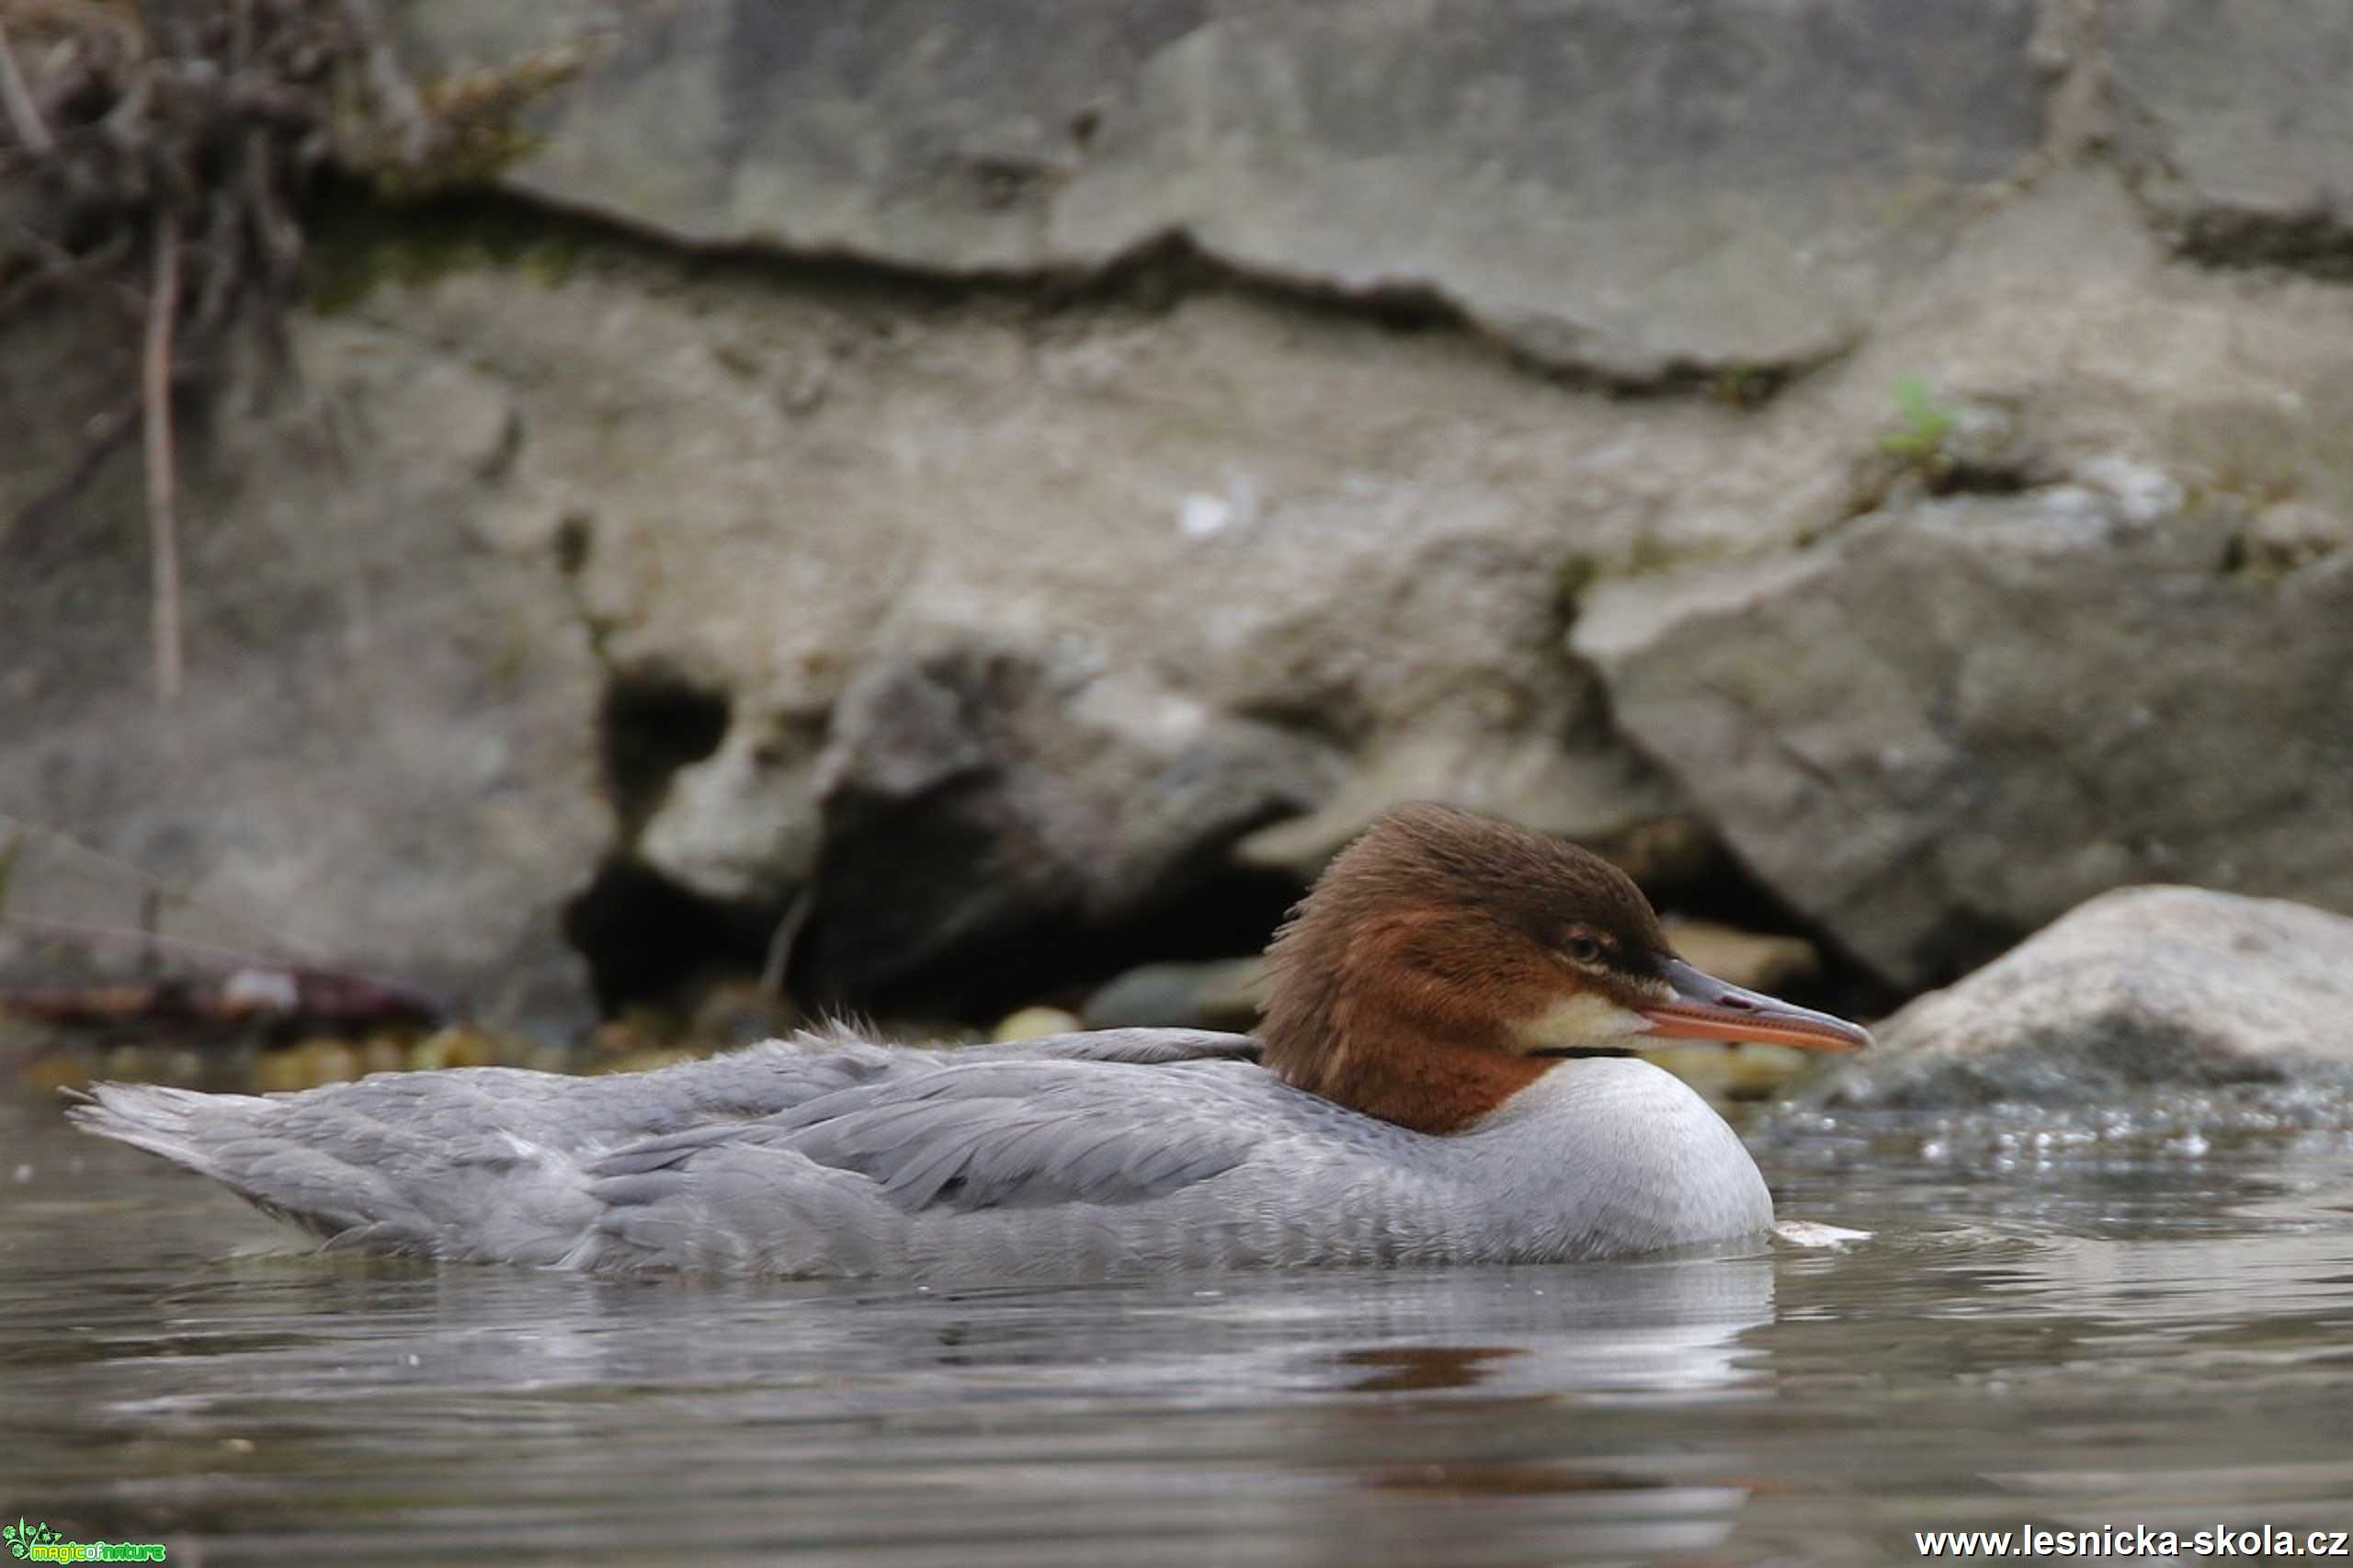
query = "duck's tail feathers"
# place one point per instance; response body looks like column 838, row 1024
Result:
column 238, row 1140
column 411, row 1164
column 175, row 1123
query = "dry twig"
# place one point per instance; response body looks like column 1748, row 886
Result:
column 777, row 968
column 162, row 479
column 177, row 138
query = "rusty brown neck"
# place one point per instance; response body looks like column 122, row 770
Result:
column 1354, row 1019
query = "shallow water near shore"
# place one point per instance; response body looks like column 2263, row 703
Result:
column 2061, row 1330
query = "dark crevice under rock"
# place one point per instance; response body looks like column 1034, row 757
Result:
column 2316, row 244
column 651, row 724
column 646, row 939
column 916, row 913
column 649, row 941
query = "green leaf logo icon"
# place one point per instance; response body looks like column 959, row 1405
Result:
column 22, row 1536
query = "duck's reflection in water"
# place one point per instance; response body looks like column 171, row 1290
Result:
column 1656, row 1331
column 1654, row 1335
column 1464, row 1417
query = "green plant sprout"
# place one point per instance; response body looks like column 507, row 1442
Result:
column 1921, row 424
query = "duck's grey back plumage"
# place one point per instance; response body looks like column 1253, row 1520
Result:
column 819, row 1155
column 1115, row 1152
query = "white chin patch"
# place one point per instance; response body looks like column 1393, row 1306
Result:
column 1582, row 1022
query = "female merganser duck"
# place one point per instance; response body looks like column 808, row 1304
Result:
column 1440, row 1076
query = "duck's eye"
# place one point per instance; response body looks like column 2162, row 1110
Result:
column 1584, row 949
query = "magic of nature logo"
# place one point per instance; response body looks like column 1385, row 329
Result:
column 36, row 1542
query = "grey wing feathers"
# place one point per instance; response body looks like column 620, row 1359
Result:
column 800, row 1156
column 890, row 1163
column 991, row 1134
column 780, row 1074
column 1144, row 1048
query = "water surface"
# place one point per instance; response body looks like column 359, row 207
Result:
column 2057, row 1331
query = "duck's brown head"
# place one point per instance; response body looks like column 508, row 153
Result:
column 1444, row 962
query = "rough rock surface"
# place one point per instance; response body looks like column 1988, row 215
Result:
column 1950, row 723
column 996, row 629
column 1763, row 171
column 2142, row 987
column 957, row 560
column 2240, row 176
column 385, row 754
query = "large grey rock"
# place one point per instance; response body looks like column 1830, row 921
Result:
column 2143, row 987
column 1958, row 719
column 1609, row 184
column 999, row 635
column 385, row 751
column 2239, row 124
column 968, row 613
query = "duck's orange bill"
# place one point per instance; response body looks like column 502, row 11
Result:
column 1704, row 1008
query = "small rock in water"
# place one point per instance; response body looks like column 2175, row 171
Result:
column 1034, row 1023
column 129, row 1063
column 329, row 1059
column 2142, row 988
column 283, row 1072
column 1733, row 1074
column 383, row 1053
column 452, row 1047
column 1215, row 994
column 1760, row 961
column 1812, row 1233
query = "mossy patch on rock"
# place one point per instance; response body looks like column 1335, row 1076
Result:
column 360, row 243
